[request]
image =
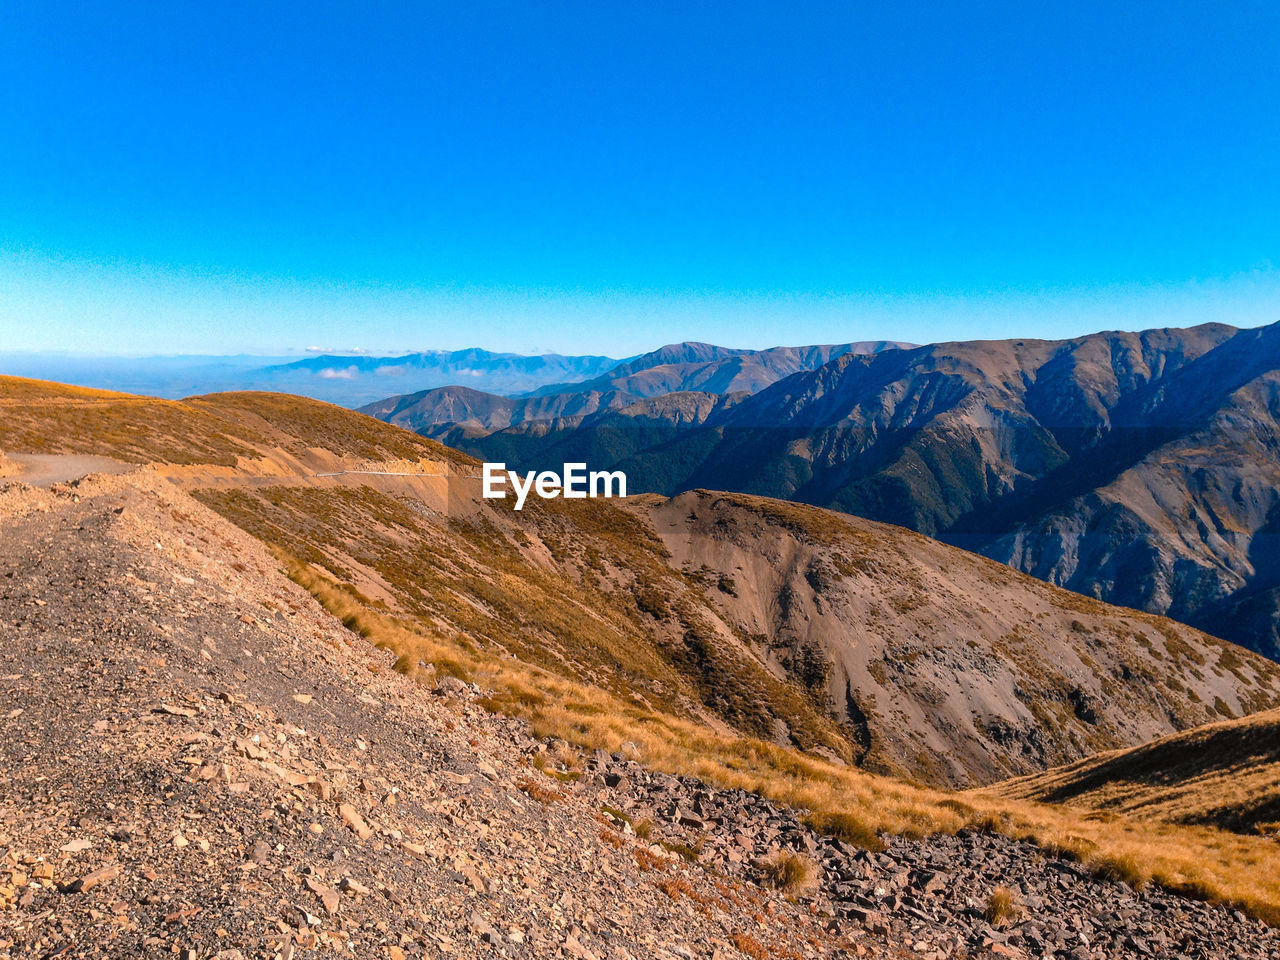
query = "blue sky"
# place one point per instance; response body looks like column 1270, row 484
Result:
column 600, row 177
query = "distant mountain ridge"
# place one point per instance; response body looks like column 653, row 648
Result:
column 456, row 411
column 704, row 366
column 1140, row 468
column 508, row 373
column 348, row 380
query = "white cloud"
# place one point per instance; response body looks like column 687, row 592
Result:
column 336, row 373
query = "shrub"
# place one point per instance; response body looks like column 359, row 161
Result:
column 673, row 887
column 750, row 946
column 1002, row 906
column 1120, row 867
column 538, row 791
column 683, row 851
column 788, row 870
column 847, row 828
column 647, row 860
column 988, row 823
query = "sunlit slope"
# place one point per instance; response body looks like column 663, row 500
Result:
column 1225, row 774
column 37, row 416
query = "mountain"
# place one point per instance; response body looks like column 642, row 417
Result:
column 353, row 380
column 692, row 366
column 196, row 639
column 857, row 641
column 1138, row 468
column 343, row 379
column 1225, row 774
column 461, row 412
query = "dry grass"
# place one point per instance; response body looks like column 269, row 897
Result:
column 41, row 417
column 1223, row 774
column 647, row 860
column 750, row 946
column 1201, row 861
column 788, row 871
column 1002, row 906
column 1121, row 868
column 544, row 794
column 847, row 828
column 675, row 887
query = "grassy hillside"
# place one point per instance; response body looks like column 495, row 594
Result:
column 1224, row 774
column 41, row 417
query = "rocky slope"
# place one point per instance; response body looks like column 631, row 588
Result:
column 198, row 762
column 934, row 896
column 1138, row 468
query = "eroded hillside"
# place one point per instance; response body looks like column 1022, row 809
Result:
column 940, row 662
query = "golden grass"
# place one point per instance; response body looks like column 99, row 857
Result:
column 788, row 871
column 847, row 828
column 1223, row 774
column 42, row 417
column 1200, row 861
column 1002, row 906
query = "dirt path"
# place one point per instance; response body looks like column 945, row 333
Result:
column 46, row 469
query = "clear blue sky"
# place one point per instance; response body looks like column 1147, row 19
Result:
column 605, row 177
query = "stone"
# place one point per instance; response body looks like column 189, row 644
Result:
column 357, row 823
column 96, row 878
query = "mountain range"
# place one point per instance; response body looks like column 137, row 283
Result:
column 863, row 642
column 1137, row 468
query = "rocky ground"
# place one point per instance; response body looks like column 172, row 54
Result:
column 931, row 896
column 196, row 761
